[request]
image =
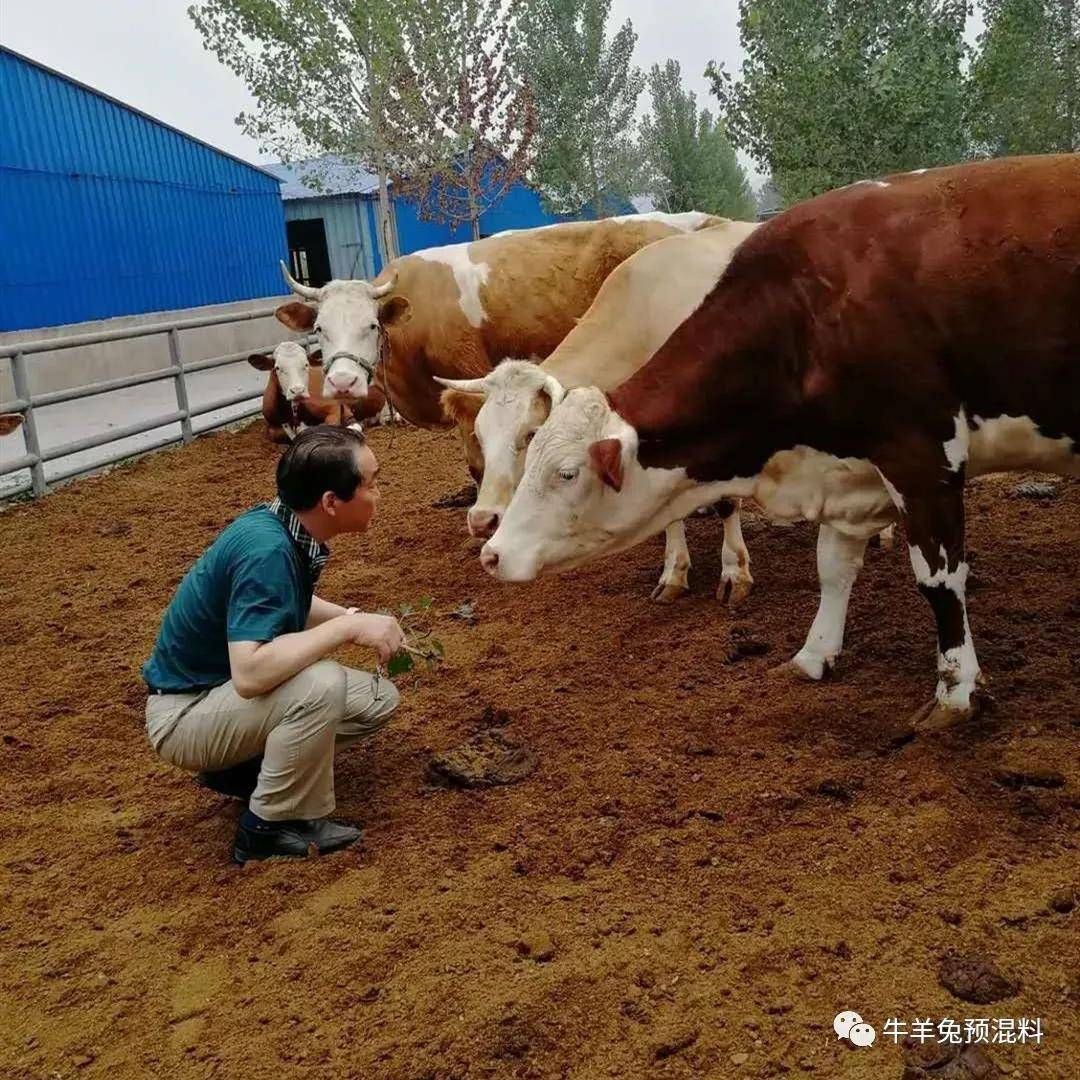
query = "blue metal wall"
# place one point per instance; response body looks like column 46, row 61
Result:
column 104, row 211
column 519, row 208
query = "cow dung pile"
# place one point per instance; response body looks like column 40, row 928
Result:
column 705, row 865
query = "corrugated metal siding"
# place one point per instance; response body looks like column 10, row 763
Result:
column 105, row 212
column 342, row 217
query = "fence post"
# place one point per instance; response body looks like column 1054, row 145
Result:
column 22, row 390
column 181, row 385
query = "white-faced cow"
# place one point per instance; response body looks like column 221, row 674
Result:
column 294, row 397
column 458, row 310
column 638, row 306
column 896, row 321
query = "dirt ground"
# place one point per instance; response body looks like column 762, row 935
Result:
column 706, row 865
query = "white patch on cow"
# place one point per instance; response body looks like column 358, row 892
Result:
column 956, row 448
column 734, row 558
column 676, row 572
column 688, row 221
column 958, row 667
column 872, row 183
column 839, row 560
column 916, row 172
column 1014, row 443
column 468, row 275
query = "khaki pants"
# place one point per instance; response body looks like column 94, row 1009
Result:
column 297, row 727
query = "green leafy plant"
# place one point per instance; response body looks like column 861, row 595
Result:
column 421, row 645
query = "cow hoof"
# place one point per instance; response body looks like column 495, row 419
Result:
column 935, row 717
column 734, row 591
column 791, row 672
column 668, row 593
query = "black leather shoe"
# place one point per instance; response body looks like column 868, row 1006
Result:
column 236, row 782
column 292, row 840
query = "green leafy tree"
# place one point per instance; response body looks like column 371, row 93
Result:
column 1025, row 79
column 323, row 76
column 467, row 131
column 692, row 165
column 840, row 90
column 586, row 94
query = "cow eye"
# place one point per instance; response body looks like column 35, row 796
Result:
column 374, row 326
column 318, row 328
column 529, row 437
column 566, row 475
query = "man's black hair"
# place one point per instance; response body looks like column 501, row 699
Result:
column 320, row 459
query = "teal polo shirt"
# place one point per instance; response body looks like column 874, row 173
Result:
column 252, row 584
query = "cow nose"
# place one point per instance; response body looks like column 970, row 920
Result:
column 489, row 559
column 483, row 522
column 342, row 385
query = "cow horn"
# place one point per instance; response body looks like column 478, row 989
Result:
column 466, row 386
column 379, row 291
column 554, row 389
column 308, row 292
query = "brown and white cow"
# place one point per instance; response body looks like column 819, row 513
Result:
column 892, row 321
column 10, row 422
column 457, row 311
column 638, row 306
column 294, row 398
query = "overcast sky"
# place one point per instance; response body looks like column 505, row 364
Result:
column 146, row 53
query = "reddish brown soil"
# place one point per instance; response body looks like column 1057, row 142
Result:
column 705, row 867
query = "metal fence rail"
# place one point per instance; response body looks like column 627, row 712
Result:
column 25, row 402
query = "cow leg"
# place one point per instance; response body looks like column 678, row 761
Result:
column 932, row 509
column 886, row 539
column 674, row 580
column 839, row 560
column 735, row 580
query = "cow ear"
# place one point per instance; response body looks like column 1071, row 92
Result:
column 296, row 316
column 606, row 456
column 315, row 359
column 395, row 311
column 261, row 361
column 9, row 422
column 460, row 407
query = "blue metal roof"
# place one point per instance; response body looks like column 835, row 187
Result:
column 105, row 211
column 319, row 178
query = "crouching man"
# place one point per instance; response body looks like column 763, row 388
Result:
column 240, row 690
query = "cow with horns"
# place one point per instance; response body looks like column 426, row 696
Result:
column 927, row 324
column 457, row 311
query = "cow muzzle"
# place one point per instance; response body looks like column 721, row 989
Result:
column 504, row 567
column 483, row 523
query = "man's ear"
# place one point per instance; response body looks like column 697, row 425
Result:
column 296, row 316
column 606, row 456
column 395, row 311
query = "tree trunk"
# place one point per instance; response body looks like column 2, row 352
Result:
column 386, row 229
column 597, row 202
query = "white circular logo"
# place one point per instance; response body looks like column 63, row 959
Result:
column 843, row 1023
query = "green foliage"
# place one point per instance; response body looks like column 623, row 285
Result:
column 841, row 90
column 467, row 130
column 692, row 165
column 421, row 645
column 586, row 92
column 1025, row 81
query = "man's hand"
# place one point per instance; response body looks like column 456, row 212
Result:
column 381, row 632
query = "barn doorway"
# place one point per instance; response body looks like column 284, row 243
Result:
column 309, row 257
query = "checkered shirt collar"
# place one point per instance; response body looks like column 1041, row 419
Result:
column 317, row 555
